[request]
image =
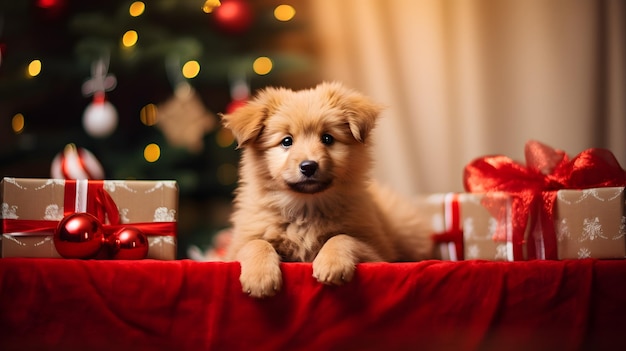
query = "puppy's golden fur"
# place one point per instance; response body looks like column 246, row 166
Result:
column 304, row 191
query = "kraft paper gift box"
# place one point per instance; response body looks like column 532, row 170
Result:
column 480, row 239
column 432, row 208
column 591, row 223
column 571, row 206
column 41, row 203
column 462, row 220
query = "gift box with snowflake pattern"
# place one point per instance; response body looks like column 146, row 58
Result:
column 462, row 219
column 31, row 209
column 433, row 210
column 590, row 223
column 479, row 230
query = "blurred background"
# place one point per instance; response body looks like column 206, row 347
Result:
column 141, row 84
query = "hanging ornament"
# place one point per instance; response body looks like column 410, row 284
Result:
column 2, row 45
column 51, row 9
column 184, row 120
column 2, row 52
column 100, row 116
column 239, row 93
column 129, row 243
column 78, row 235
column 234, row 105
column 233, row 16
column 76, row 163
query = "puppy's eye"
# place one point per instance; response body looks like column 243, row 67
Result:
column 286, row 142
column 327, row 139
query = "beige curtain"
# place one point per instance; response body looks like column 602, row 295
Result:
column 466, row 78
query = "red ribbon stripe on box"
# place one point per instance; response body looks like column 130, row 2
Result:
column 452, row 237
column 533, row 187
column 87, row 196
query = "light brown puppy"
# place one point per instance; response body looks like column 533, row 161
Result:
column 304, row 190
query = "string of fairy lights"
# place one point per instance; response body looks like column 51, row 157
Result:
column 149, row 114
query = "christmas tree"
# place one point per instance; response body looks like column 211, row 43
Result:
column 140, row 85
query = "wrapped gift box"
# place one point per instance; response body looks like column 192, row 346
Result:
column 572, row 207
column 591, row 223
column 464, row 221
column 479, row 229
column 37, row 204
column 432, row 207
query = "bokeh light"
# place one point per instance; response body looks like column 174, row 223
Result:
column 148, row 115
column 191, row 69
column 17, row 123
column 152, row 152
column 48, row 4
column 137, row 8
column 210, row 5
column 227, row 174
column 284, row 12
column 224, row 138
column 262, row 65
column 34, row 68
column 130, row 38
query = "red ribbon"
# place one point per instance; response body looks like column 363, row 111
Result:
column 453, row 229
column 533, row 187
column 37, row 227
column 98, row 203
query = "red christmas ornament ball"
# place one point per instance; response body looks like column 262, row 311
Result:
column 50, row 4
column 76, row 163
column 52, row 9
column 235, row 105
column 79, row 235
column 129, row 243
column 3, row 48
column 233, row 16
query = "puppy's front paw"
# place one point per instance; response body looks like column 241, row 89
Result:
column 333, row 269
column 260, row 280
column 260, row 269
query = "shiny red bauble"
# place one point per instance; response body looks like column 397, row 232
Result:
column 79, row 235
column 129, row 243
column 235, row 105
column 233, row 16
column 51, row 10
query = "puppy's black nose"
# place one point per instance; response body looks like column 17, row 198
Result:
column 308, row 168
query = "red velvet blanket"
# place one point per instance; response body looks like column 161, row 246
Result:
column 55, row 304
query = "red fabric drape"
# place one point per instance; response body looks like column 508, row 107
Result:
column 56, row 304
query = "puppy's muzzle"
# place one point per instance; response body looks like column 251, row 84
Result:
column 308, row 168
column 311, row 181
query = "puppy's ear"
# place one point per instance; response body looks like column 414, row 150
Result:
column 247, row 122
column 360, row 112
column 362, row 117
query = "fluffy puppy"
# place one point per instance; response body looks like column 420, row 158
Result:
column 304, row 193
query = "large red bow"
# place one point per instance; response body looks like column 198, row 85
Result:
column 533, row 187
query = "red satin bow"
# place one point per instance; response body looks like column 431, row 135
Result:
column 99, row 202
column 533, row 186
